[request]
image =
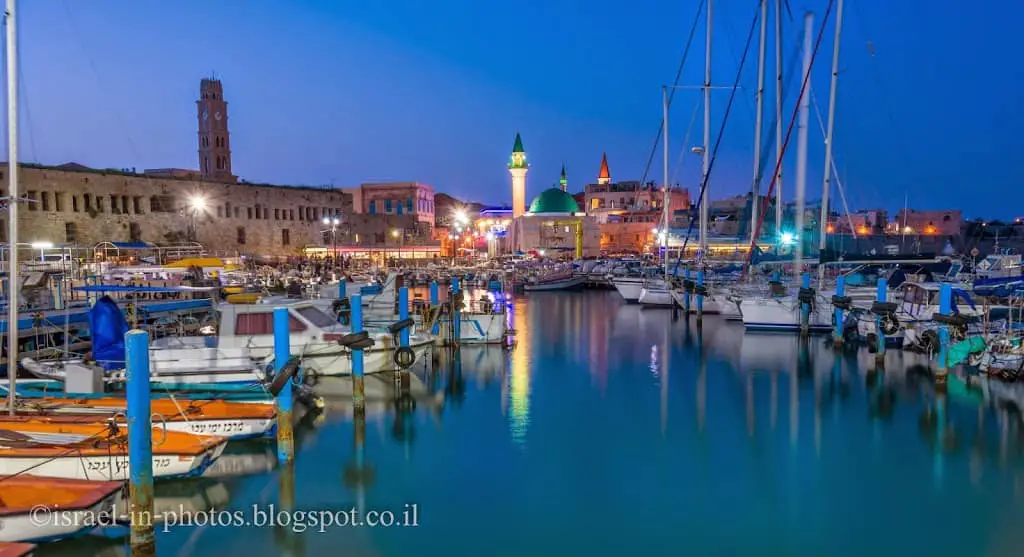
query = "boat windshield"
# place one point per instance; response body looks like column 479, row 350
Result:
column 316, row 317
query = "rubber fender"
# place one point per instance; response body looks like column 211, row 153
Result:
column 688, row 285
column 805, row 295
column 404, row 357
column 883, row 308
column 842, row 302
column 362, row 344
column 281, row 378
column 399, row 326
column 700, row 290
column 352, row 338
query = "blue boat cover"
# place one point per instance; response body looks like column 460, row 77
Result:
column 108, row 327
column 133, row 245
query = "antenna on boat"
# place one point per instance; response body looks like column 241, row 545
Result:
column 12, row 217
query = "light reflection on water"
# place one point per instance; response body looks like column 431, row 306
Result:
column 611, row 429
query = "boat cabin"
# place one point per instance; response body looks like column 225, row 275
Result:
column 921, row 299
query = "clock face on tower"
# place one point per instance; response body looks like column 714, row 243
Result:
column 217, row 116
column 206, row 115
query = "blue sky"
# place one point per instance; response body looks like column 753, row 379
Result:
column 344, row 92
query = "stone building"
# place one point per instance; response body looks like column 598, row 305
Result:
column 72, row 205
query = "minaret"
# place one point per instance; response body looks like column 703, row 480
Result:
column 214, row 140
column 563, row 180
column 604, row 176
column 518, row 167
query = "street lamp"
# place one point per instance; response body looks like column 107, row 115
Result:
column 197, row 204
column 333, row 222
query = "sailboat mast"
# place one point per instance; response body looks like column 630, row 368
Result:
column 778, row 117
column 801, row 149
column 664, row 209
column 12, row 211
column 706, row 160
column 827, row 182
column 755, row 211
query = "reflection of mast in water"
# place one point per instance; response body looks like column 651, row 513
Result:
column 794, row 407
column 750, row 404
column 805, row 349
column 976, row 463
column 775, row 398
column 519, row 397
column 702, row 380
column 665, row 366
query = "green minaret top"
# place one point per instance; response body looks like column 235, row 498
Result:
column 518, row 158
column 517, row 147
column 563, row 180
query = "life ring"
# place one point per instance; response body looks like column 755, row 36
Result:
column 281, row 378
column 890, row 325
column 404, row 357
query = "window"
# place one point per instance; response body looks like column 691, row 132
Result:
column 87, row 201
column 33, row 196
column 387, row 205
column 291, row 214
column 240, row 235
column 227, row 210
column 277, row 214
column 408, row 205
column 237, row 212
column 373, row 207
column 263, row 324
column 248, row 211
column 74, row 203
column 134, row 232
column 316, row 317
column 45, row 200
column 70, row 232
column 286, row 237
column 399, row 207
column 259, row 210
column 136, row 205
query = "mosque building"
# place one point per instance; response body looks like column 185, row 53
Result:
column 553, row 225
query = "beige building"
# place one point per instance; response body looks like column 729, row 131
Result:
column 606, row 199
column 396, row 199
column 85, row 207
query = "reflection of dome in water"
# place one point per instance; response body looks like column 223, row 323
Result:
column 554, row 200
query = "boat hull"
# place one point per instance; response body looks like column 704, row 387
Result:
column 109, row 468
column 781, row 314
column 567, row 284
column 629, row 289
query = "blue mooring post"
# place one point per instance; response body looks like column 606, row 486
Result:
column 358, row 388
column 686, row 306
column 945, row 308
column 882, row 296
column 837, row 327
column 140, row 443
column 435, row 300
column 342, row 289
column 456, row 313
column 805, row 308
column 403, row 313
column 700, row 298
column 282, row 353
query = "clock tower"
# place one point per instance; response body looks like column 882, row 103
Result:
column 214, row 142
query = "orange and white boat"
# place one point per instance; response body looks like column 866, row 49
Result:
column 98, row 451
column 16, row 549
column 232, row 420
column 36, row 509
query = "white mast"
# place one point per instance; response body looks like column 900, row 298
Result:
column 755, row 212
column 778, row 118
column 801, row 146
column 706, row 162
column 664, row 209
column 12, row 188
column 827, row 183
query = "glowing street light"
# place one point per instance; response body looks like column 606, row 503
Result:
column 787, row 238
column 197, row 202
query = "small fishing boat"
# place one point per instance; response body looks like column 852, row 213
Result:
column 656, row 293
column 557, row 281
column 16, row 549
column 36, row 509
column 232, row 420
column 98, row 451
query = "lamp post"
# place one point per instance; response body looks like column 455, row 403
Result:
column 396, row 233
column 333, row 222
column 197, row 204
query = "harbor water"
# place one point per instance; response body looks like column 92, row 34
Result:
column 610, row 429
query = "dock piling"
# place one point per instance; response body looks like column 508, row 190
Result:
column 403, row 313
column 945, row 308
column 805, row 308
column 140, row 443
column 456, row 312
column 435, row 300
column 342, row 289
column 358, row 387
column 837, row 327
column 282, row 353
column 686, row 292
column 700, row 296
column 882, row 296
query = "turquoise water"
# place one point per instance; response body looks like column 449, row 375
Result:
column 608, row 430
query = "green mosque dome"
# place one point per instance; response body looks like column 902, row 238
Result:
column 554, row 200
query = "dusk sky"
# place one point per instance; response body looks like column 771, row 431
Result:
column 342, row 92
